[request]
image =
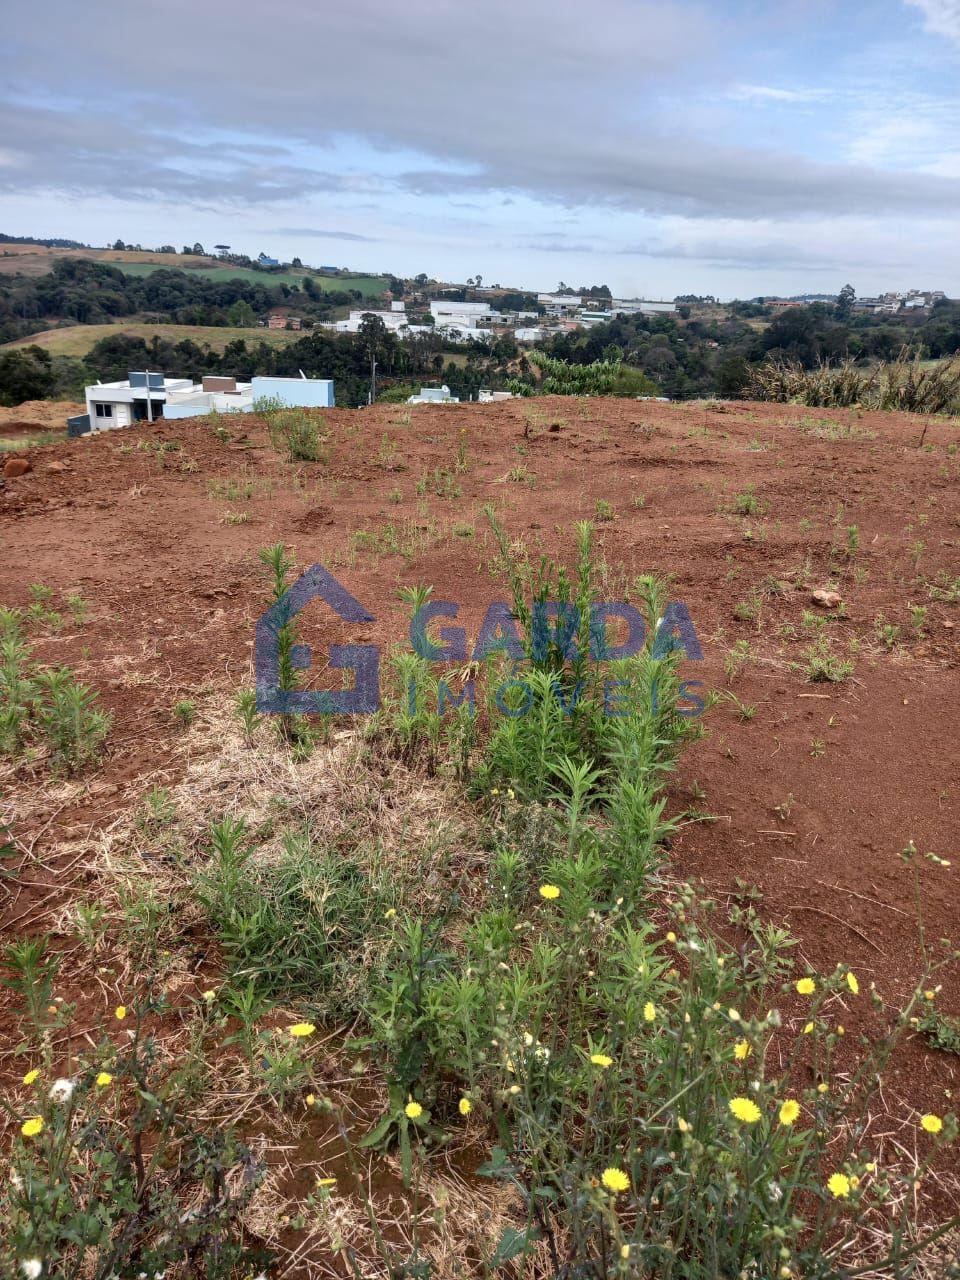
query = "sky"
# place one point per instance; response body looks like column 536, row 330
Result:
column 663, row 147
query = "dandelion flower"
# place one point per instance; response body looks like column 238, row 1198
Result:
column 413, row 1110
column 61, row 1091
column 852, row 982
column 789, row 1112
column 823, row 1087
column 32, row 1127
column 120, row 1012
column 931, row 1123
column 806, row 987
column 300, row 1030
column 390, row 913
column 310, row 1099
column 32, row 1268
column 650, row 1012
column 103, row 1079
column 671, row 936
column 464, row 1106
column 741, row 1050
column 615, row 1180
column 838, row 1185
column 31, row 1076
column 744, row 1109
column 601, row 1060
column 549, row 891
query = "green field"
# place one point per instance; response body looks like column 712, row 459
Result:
column 80, row 339
column 367, row 285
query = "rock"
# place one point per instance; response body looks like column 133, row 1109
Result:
column 826, row 599
column 56, row 467
column 16, row 467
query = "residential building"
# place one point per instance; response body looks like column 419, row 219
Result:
column 530, row 334
column 146, row 397
column 558, row 304
column 484, row 396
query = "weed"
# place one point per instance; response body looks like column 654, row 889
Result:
column 824, row 665
column 604, row 510
column 185, row 712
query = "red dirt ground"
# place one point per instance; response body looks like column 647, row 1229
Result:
column 175, row 589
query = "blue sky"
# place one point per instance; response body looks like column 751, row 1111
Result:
column 659, row 146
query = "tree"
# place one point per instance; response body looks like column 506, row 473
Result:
column 118, row 244
column 845, row 301
column 26, row 373
column 198, row 248
column 241, row 314
column 296, row 263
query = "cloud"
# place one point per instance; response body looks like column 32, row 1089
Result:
column 768, row 93
column 942, row 17
column 319, row 234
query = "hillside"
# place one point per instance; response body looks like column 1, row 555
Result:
column 36, row 260
column 828, row 744
column 78, row 340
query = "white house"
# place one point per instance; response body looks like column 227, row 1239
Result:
column 145, row 397
column 395, row 319
column 529, row 334
column 558, row 304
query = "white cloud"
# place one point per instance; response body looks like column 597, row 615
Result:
column 942, row 17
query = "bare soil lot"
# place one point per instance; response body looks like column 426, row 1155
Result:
column 808, row 791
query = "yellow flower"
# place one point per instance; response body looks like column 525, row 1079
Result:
column 871, row 1166
column 650, row 1011
column 310, row 1099
column 929, row 995
column 823, row 1087
column 683, row 1125
column 744, row 1109
column 601, row 1060
column 931, row 1123
column 464, row 1106
column 741, row 1050
column 624, row 1251
column 31, row 1076
column 103, row 1079
column 301, row 1029
column 120, row 1012
column 326, row 1182
column 390, row 913
column 852, row 982
column 733, row 1015
column 615, row 1180
column 413, row 1110
column 549, row 891
column 806, row 987
column 839, row 1186
column 671, row 936
column 210, row 995
column 808, row 1028
column 789, row 1111
column 30, row 1128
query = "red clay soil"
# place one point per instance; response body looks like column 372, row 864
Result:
column 814, row 798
